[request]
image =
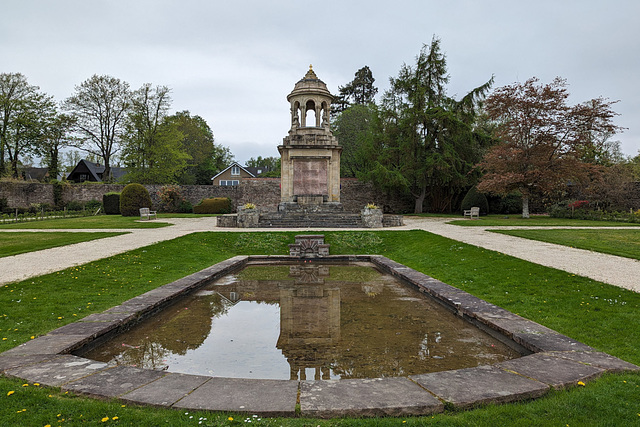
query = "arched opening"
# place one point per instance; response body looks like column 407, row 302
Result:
column 295, row 115
column 310, row 116
column 324, row 115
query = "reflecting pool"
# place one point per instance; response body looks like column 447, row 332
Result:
column 305, row 321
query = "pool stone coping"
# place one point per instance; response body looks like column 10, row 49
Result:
column 555, row 361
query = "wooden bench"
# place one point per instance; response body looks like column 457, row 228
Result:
column 145, row 213
column 474, row 211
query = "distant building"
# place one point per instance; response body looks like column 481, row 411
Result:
column 89, row 171
column 234, row 174
column 34, row 174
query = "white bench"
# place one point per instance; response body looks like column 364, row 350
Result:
column 145, row 213
column 474, row 211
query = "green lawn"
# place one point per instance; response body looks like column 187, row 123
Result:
column 537, row 221
column 99, row 221
column 625, row 243
column 600, row 315
column 21, row 242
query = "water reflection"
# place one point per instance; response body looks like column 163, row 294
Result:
column 305, row 321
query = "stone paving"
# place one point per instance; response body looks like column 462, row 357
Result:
column 550, row 361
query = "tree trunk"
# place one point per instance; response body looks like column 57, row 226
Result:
column 525, row 206
column 53, row 168
column 420, row 200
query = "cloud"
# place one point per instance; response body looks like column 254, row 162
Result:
column 233, row 63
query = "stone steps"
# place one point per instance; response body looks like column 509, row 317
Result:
column 305, row 220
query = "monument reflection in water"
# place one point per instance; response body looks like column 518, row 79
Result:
column 305, row 321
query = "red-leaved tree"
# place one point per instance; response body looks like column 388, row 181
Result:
column 542, row 139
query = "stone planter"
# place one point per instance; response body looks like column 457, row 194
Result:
column 248, row 218
column 371, row 218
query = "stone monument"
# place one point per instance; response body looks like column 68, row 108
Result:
column 310, row 154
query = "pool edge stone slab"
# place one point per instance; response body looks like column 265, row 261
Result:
column 554, row 371
column 166, row 390
column 270, row 398
column 470, row 387
column 278, row 397
column 397, row 396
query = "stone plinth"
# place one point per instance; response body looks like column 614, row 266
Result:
column 371, row 218
column 309, row 246
column 248, row 218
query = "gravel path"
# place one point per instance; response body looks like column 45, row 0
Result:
column 618, row 271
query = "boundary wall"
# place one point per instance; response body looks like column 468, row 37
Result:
column 263, row 192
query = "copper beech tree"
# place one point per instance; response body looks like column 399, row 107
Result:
column 542, row 139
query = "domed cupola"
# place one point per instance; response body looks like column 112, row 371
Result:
column 310, row 102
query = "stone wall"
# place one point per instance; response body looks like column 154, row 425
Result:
column 263, row 192
column 23, row 194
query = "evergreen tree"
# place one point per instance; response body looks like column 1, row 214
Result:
column 358, row 91
column 426, row 145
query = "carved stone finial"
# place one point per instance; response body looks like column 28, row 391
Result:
column 311, row 75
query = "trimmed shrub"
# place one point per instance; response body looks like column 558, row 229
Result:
column 132, row 198
column 216, row 205
column 475, row 198
column 111, row 202
column 74, row 206
column 185, row 207
column 93, row 205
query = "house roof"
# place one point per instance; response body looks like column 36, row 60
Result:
column 96, row 170
column 232, row 165
column 37, row 174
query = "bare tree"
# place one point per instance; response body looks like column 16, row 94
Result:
column 99, row 107
column 14, row 94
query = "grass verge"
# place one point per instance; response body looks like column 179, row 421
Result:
column 625, row 243
column 100, row 221
column 597, row 314
column 537, row 221
column 22, row 242
column 616, row 396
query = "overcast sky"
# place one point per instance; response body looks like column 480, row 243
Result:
column 234, row 62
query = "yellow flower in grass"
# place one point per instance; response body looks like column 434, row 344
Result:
column 230, row 418
column 105, row 419
column 10, row 393
column 580, row 383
